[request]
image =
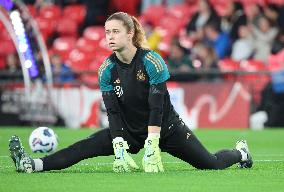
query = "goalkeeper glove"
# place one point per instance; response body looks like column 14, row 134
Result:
column 122, row 161
column 152, row 159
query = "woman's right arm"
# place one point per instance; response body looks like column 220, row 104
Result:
column 110, row 99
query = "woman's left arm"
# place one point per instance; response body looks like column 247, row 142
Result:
column 158, row 75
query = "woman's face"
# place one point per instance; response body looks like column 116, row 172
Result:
column 176, row 52
column 117, row 36
column 264, row 25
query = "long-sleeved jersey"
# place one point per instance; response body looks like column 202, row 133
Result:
column 135, row 94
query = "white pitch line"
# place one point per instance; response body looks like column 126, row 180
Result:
column 179, row 162
column 166, row 162
column 268, row 155
column 268, row 160
column 171, row 162
column 255, row 155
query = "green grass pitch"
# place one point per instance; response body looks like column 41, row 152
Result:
column 267, row 174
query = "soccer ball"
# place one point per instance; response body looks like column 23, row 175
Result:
column 43, row 140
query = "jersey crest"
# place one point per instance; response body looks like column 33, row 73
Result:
column 140, row 75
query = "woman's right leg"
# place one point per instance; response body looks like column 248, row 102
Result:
column 98, row 144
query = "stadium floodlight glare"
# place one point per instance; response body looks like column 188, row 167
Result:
column 28, row 64
column 24, row 45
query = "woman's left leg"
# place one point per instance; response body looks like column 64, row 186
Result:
column 184, row 145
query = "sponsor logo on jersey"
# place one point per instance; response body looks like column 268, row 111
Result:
column 117, row 81
column 117, row 88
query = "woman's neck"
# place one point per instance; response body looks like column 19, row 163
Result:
column 127, row 54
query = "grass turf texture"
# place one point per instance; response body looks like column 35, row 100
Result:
column 96, row 174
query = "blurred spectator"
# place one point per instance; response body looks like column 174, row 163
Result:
column 254, row 13
column 152, row 35
column 234, row 19
column 29, row 2
column 242, row 48
column 278, row 43
column 13, row 70
column 205, row 59
column 280, row 19
column 178, row 59
column 61, row 72
column 96, row 12
column 264, row 36
column 271, row 11
column 39, row 3
column 13, row 63
column 64, row 3
column 205, row 14
column 219, row 40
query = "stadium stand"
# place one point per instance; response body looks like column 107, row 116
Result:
column 83, row 49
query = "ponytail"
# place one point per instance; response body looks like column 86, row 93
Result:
column 139, row 38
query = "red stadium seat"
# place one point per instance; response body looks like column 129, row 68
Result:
column 154, row 14
column 276, row 2
column 67, row 27
column 253, row 65
column 63, row 46
column 103, row 47
column 86, row 45
column 75, row 12
column 4, row 35
column 94, row 66
column 99, row 58
column 32, row 10
column 182, row 12
column 90, row 79
column 229, row 65
column 79, row 61
column 94, row 33
column 2, row 62
column 174, row 29
column 276, row 62
column 50, row 12
column 46, row 26
column 7, row 47
column 1, row 26
column 221, row 9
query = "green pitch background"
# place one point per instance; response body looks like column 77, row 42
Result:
column 96, row 174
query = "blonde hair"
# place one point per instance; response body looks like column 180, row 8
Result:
column 131, row 23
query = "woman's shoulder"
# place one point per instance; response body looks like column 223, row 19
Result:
column 107, row 65
column 147, row 53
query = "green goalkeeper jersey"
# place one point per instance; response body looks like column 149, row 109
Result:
column 135, row 94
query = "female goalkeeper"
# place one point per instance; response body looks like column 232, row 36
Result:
column 133, row 84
